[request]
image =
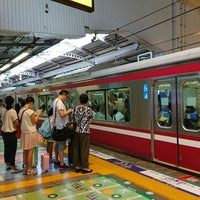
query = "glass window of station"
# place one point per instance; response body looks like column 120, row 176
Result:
column 111, row 104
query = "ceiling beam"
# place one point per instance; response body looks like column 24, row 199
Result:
column 97, row 60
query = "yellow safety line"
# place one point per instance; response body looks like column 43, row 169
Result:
column 105, row 168
column 147, row 183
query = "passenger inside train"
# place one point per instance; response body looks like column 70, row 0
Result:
column 111, row 105
column 99, row 112
column 165, row 112
column 190, row 117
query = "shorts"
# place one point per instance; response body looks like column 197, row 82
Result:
column 60, row 146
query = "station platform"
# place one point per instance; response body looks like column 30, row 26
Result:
column 114, row 176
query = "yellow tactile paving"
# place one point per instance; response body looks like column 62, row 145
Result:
column 162, row 189
column 105, row 168
column 38, row 180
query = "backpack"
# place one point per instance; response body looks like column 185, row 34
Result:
column 45, row 128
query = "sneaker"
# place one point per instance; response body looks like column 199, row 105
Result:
column 63, row 167
column 31, row 172
column 57, row 164
column 24, row 171
column 84, row 171
column 8, row 167
column 77, row 170
column 15, row 170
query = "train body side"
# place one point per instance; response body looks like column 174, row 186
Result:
column 143, row 134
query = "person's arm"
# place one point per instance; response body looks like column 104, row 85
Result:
column 34, row 118
column 63, row 113
column 90, row 120
column 16, row 122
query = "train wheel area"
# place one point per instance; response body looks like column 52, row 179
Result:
column 114, row 176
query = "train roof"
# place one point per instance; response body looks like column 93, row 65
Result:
column 173, row 59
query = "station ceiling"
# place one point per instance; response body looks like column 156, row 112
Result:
column 13, row 44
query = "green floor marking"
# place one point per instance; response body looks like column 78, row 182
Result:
column 98, row 188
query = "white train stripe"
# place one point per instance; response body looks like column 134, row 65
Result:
column 173, row 140
column 122, row 131
column 189, row 143
column 166, row 139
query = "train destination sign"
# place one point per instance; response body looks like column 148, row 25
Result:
column 86, row 5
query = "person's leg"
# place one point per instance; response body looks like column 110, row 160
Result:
column 6, row 149
column 85, row 144
column 50, row 149
column 56, row 162
column 61, row 156
column 24, row 160
column 61, row 148
column 13, row 149
column 12, row 153
column 29, row 158
column 29, row 162
column 76, row 152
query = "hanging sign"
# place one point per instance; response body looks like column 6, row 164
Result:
column 86, row 5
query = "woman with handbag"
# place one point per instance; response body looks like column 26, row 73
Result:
column 83, row 116
column 29, row 135
column 9, row 129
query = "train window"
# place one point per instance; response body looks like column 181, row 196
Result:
column 118, row 104
column 112, row 104
column 45, row 102
column 97, row 103
column 191, row 105
column 73, row 99
column 164, row 105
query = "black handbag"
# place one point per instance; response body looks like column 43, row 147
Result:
column 70, row 129
column 59, row 134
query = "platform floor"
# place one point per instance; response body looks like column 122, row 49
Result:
column 114, row 176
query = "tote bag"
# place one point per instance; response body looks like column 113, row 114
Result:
column 45, row 129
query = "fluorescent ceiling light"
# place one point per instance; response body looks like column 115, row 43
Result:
column 5, row 66
column 64, row 46
column 20, row 57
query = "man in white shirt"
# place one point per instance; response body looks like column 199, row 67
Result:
column 60, row 118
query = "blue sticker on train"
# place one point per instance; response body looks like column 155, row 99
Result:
column 146, row 91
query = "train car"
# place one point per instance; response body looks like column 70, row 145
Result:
column 149, row 109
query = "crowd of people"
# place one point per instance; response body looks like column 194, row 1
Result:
column 21, row 116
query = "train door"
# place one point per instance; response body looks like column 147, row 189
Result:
column 165, row 141
column 188, row 102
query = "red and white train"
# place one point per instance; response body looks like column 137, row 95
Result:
column 149, row 109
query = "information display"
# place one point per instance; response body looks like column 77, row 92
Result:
column 86, row 5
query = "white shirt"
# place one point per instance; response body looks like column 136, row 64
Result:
column 8, row 121
column 59, row 122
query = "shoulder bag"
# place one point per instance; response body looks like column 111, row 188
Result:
column 18, row 133
column 58, row 134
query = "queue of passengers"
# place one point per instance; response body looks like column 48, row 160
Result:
column 28, row 118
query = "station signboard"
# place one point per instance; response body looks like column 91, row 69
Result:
column 86, row 5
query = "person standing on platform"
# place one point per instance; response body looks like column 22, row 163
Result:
column 50, row 141
column 83, row 116
column 29, row 138
column 2, row 109
column 60, row 118
column 9, row 129
column 18, row 105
